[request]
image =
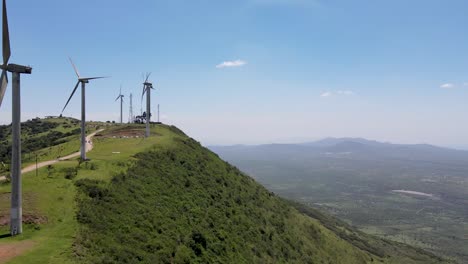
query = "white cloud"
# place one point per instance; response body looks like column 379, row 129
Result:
column 346, row 92
column 465, row 84
column 447, row 86
column 326, row 94
column 229, row 64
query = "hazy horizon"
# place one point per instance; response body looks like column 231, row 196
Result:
column 298, row 141
column 255, row 71
column 200, row 136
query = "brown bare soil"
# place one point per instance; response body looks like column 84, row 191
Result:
column 27, row 219
column 30, row 213
column 13, row 249
column 29, row 203
column 129, row 133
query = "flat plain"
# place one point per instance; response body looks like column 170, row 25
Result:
column 414, row 194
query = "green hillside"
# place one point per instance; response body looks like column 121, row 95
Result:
column 183, row 204
column 47, row 138
column 167, row 199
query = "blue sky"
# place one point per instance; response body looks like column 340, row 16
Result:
column 255, row 71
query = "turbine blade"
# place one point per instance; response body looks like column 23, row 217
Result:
column 74, row 67
column 147, row 76
column 6, row 36
column 117, row 98
column 93, row 78
column 74, row 90
column 143, row 94
column 3, row 85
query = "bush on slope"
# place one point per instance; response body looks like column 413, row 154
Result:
column 182, row 204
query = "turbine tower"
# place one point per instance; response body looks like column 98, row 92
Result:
column 121, row 96
column 147, row 86
column 16, row 212
column 130, row 112
column 158, row 113
column 83, row 82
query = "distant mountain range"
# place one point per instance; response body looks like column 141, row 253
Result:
column 358, row 148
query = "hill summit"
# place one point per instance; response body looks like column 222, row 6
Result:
column 180, row 203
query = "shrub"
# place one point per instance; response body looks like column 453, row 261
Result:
column 70, row 173
column 93, row 166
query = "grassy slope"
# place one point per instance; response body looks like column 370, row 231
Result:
column 63, row 146
column 53, row 196
column 188, row 203
column 67, row 145
column 71, row 144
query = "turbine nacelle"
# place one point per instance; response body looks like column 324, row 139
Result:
column 17, row 68
column 120, row 94
column 118, row 97
column 146, row 84
column 6, row 52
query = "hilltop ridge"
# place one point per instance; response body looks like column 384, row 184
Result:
column 189, row 206
column 167, row 199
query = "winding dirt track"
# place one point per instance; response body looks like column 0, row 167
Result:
column 89, row 147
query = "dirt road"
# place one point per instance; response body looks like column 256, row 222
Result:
column 89, row 146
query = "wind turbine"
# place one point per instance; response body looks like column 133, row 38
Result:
column 121, row 96
column 83, row 82
column 16, row 213
column 147, row 86
column 130, row 112
column 158, row 113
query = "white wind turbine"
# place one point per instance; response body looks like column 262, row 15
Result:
column 16, row 212
column 121, row 96
column 147, row 86
column 83, row 81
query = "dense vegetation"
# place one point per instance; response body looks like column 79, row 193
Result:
column 30, row 127
column 379, row 247
column 183, row 204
